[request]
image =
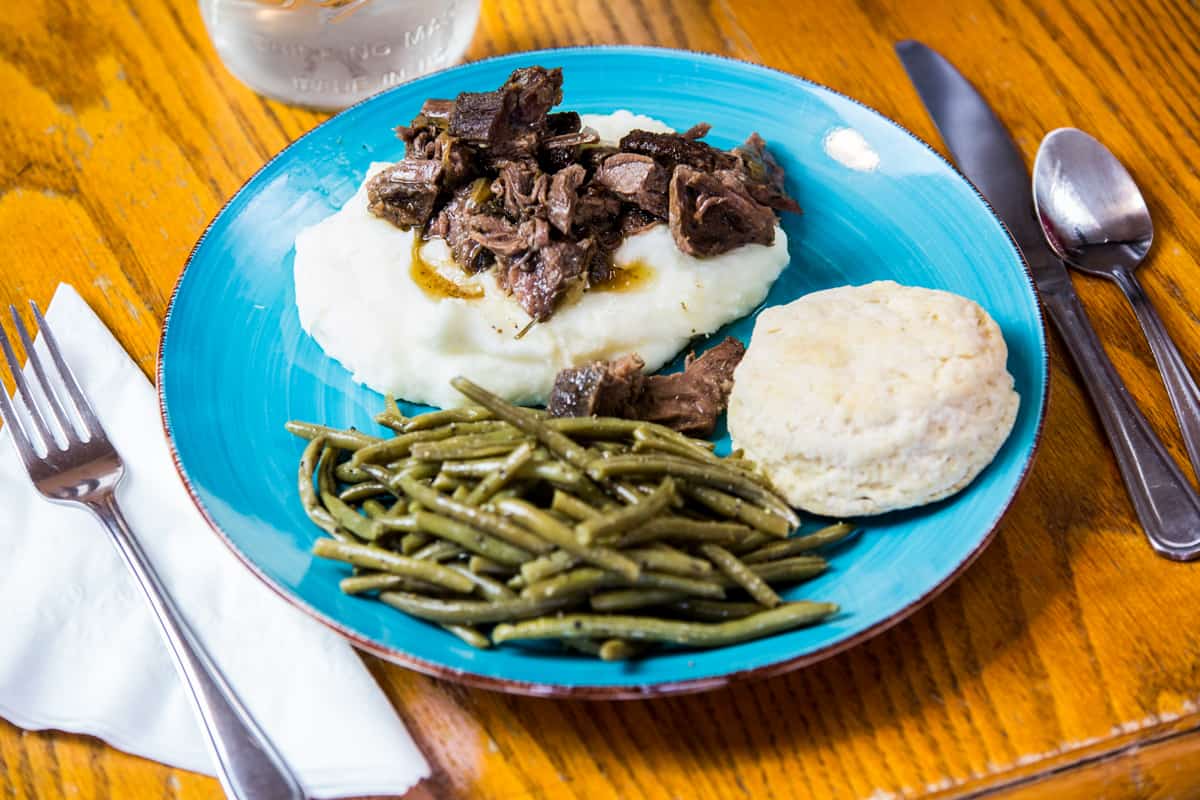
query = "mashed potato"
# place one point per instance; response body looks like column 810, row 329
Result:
column 864, row 399
column 357, row 297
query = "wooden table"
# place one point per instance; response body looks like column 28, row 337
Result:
column 1064, row 663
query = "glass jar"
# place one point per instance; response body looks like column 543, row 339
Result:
column 332, row 53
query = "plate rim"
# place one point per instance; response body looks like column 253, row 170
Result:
column 609, row 691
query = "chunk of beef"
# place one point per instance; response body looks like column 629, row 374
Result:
column 511, row 121
column 697, row 131
column 634, row 220
column 496, row 233
column 636, row 179
column 564, row 195
column 602, row 388
column 453, row 223
column 418, row 139
column 763, row 176
column 437, row 112
column 521, row 187
column 480, row 117
column 596, row 208
column 563, row 122
column 690, row 401
column 542, row 281
column 712, row 214
column 405, row 192
column 458, row 160
column 670, row 149
column 535, row 90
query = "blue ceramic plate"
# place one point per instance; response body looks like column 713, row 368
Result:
column 234, row 364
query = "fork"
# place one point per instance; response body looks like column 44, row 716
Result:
column 85, row 472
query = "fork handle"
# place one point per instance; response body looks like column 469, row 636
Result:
column 248, row 765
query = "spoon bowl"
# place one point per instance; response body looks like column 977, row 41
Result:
column 1091, row 211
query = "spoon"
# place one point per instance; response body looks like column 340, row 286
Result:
column 1096, row 220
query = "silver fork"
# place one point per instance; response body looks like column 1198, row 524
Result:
column 86, row 472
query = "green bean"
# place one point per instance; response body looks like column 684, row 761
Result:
column 374, row 509
column 485, row 566
column 800, row 544
column 348, row 474
column 707, row 610
column 645, row 439
column 627, row 517
column 387, row 561
column 558, row 534
column 620, row 650
column 412, row 542
column 797, row 568
column 695, row 634
column 618, row 428
column 490, row 589
column 417, row 470
column 436, row 419
column 737, row 508
column 495, row 481
column 742, row 575
column 671, row 561
column 478, row 518
column 460, row 493
column 543, row 567
column 405, row 523
column 390, row 406
column 572, row 506
column 309, row 463
column 629, row 599
column 451, row 451
column 351, row 520
column 438, row 551
column 683, row 529
column 389, row 420
column 343, row 440
column 444, row 483
column 361, row 491
column 380, row 581
column 754, row 541
column 472, row 539
column 516, row 582
column 386, row 450
column 470, row 636
column 713, row 475
column 586, row 579
column 471, row 612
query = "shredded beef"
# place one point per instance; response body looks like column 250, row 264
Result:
column 512, row 185
column 688, row 401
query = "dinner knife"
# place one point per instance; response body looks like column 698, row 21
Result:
column 1166, row 504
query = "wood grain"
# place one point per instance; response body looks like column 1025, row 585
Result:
column 1064, row 663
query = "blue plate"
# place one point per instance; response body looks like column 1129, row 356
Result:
column 234, row 364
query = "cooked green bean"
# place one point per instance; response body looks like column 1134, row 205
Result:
column 436, row 419
column 630, row 599
column 380, row 581
column 754, row 541
column 470, row 636
column 472, row 539
column 490, row 589
column 714, row 475
column 343, row 440
column 471, row 612
column 706, row 610
column 386, row 450
column 348, row 474
column 452, row 451
column 361, row 491
column 620, row 650
column 460, row 493
column 478, row 518
column 559, row 535
column 738, row 572
column 387, row 561
column 683, row 529
column 627, row 517
column 586, row 579
column 516, row 582
column 412, row 542
column 800, row 544
column 405, row 523
column 572, row 506
column 495, row 481
column 645, row 439
column 438, row 551
column 618, row 428
column 671, row 561
column 351, row 520
column 374, row 508
column 485, row 566
column 444, row 483
column 797, row 568
column 695, row 634
column 543, row 567
column 737, row 508
column 389, row 420
column 309, row 462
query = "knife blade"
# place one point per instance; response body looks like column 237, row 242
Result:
column 1166, row 504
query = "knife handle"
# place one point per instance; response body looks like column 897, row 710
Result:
column 1166, row 504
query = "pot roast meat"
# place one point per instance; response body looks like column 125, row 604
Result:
column 712, row 213
column 600, row 389
column 688, row 401
column 507, row 183
column 635, row 179
column 404, row 193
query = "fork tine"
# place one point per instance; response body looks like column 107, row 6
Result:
column 56, row 408
column 13, row 423
column 91, row 425
column 23, row 388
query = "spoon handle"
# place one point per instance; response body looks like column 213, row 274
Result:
column 1181, row 387
column 1166, row 504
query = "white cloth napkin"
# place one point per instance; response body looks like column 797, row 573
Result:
column 79, row 647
